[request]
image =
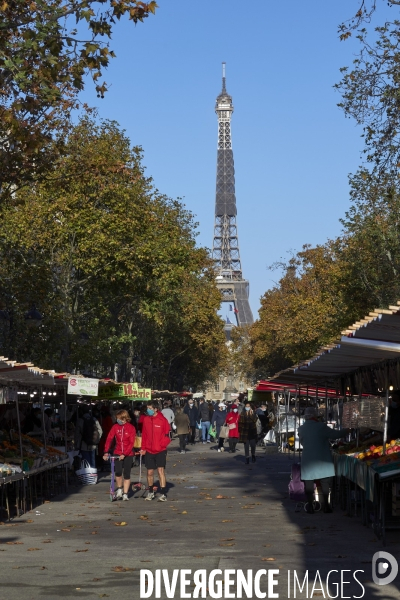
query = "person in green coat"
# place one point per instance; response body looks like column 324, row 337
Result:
column 317, row 460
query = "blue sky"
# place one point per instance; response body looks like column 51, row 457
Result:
column 293, row 146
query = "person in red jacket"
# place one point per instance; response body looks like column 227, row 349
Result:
column 232, row 420
column 155, row 439
column 124, row 434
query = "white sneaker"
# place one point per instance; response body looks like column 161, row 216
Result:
column 118, row 494
column 219, row 449
column 150, row 496
column 162, row 498
column 222, row 449
column 125, row 497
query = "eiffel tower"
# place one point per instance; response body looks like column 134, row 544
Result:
column 234, row 289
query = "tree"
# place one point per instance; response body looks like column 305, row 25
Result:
column 110, row 261
column 370, row 245
column 302, row 312
column 45, row 57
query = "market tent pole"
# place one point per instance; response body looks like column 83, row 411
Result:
column 19, row 429
column 287, row 417
column 385, row 430
column 43, row 423
column 298, row 406
column 65, row 436
column 316, row 396
column 326, row 402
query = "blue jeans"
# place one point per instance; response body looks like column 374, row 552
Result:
column 205, row 426
column 90, row 456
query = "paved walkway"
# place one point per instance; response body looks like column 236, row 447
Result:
column 220, row 514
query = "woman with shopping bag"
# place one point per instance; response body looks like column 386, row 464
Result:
column 124, row 434
column 218, row 420
column 232, row 420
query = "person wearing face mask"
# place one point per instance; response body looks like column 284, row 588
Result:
column 218, row 419
column 232, row 421
column 155, row 440
column 193, row 413
column 248, row 432
column 124, row 434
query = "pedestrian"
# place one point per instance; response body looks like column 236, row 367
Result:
column 204, row 416
column 168, row 413
column 88, row 433
column 218, row 419
column 193, row 413
column 316, row 459
column 248, row 432
column 232, row 420
column 124, row 433
column 155, row 440
column 182, row 428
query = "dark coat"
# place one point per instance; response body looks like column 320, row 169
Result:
column 247, row 427
column 204, row 412
column 193, row 414
column 218, row 418
column 182, row 423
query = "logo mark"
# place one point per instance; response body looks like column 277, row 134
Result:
column 384, row 568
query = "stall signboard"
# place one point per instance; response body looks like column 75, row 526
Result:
column 83, row 386
column 141, row 394
column 127, row 391
column 121, row 390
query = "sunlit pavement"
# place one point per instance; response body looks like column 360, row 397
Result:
column 220, row 514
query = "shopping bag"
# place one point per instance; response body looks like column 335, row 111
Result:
column 224, row 431
column 87, row 475
column 212, row 432
column 138, row 442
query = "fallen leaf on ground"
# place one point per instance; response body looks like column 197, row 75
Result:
column 120, row 523
column 32, row 549
column 13, row 543
column 85, row 550
column 94, row 532
column 267, row 545
column 43, row 568
column 87, row 542
column 29, row 520
column 230, row 544
column 144, row 517
column 65, row 529
column 46, row 542
column 221, row 497
column 184, row 512
column 268, row 559
column 227, row 521
column 226, row 539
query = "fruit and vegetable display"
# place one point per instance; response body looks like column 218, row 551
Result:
column 34, row 454
column 373, row 455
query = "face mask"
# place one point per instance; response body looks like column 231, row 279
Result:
column 150, row 412
column 136, row 413
column 235, row 410
column 247, row 407
column 120, row 422
column 190, row 404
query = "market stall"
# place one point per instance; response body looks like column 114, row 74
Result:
column 363, row 371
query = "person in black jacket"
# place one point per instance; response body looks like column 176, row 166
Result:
column 204, row 415
column 193, row 413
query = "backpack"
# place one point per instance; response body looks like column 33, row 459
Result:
column 90, row 434
column 296, row 485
